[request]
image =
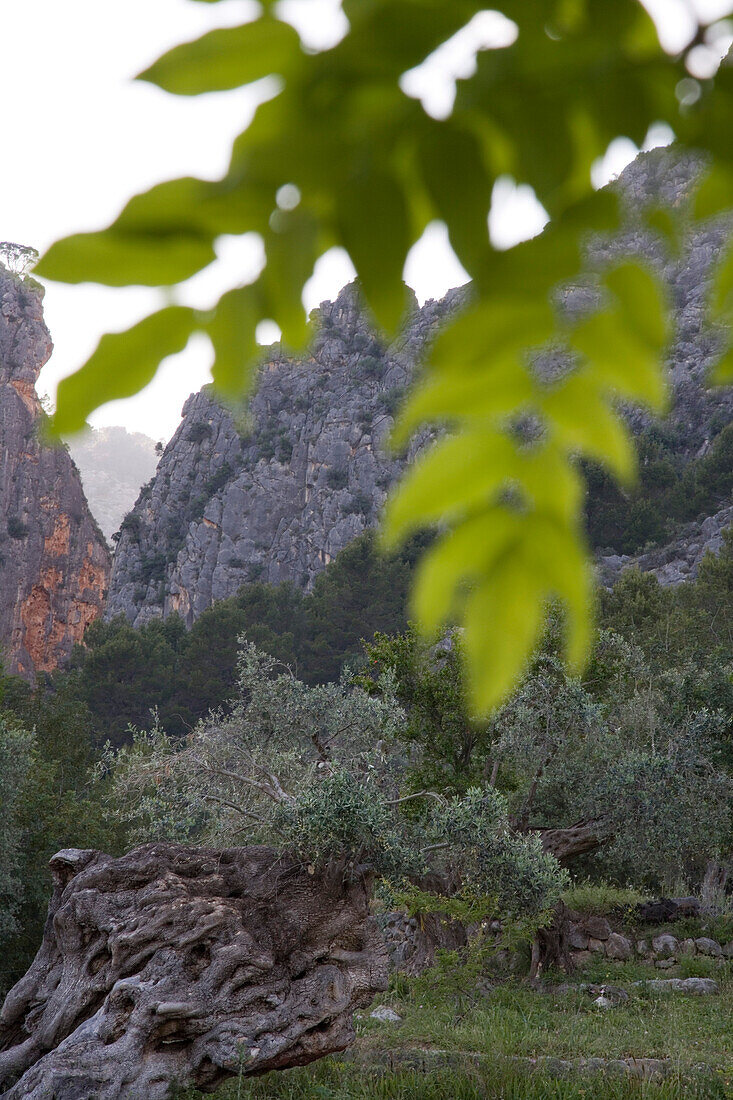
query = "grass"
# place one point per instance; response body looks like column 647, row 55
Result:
column 333, row 1080
column 477, row 1045
column 601, row 898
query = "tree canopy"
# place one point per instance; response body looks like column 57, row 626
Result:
column 342, row 155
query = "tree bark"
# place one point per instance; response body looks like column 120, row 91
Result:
column 551, row 946
column 567, row 844
column 174, row 964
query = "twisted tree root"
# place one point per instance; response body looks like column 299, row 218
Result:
column 174, row 964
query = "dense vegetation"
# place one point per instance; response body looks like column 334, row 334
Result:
column 672, row 489
column 120, row 673
column 654, row 713
column 504, row 1040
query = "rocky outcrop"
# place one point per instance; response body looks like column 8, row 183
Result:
column 54, row 563
column 187, row 966
column 276, row 493
column 679, row 559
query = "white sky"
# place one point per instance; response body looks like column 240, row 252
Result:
column 81, row 137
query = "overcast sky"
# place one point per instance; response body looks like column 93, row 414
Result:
column 80, row 137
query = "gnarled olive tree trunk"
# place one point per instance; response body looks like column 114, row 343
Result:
column 174, row 964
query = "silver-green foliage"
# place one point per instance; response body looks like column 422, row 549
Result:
column 322, row 772
column 647, row 771
column 340, row 155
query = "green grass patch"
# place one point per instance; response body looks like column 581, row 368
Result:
column 462, row 1039
column 334, row 1080
column 601, row 898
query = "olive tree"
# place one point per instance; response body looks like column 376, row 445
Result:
column 612, row 768
column 324, row 773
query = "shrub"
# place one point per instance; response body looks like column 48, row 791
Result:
column 337, row 477
column 199, row 431
column 16, row 528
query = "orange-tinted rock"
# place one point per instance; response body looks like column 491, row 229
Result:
column 54, row 562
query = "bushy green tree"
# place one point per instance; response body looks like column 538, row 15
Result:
column 322, row 772
column 637, row 755
column 454, row 749
column 121, row 672
column 47, row 802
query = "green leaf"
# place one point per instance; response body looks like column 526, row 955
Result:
column 487, row 396
column 189, row 205
column 117, row 259
column 122, row 364
column 502, row 620
column 583, row 423
column 232, row 333
column 463, row 555
column 475, row 369
column 374, row 225
column 460, row 187
column 643, row 300
column 292, row 249
column 456, row 475
column 501, row 325
column 227, row 58
column 619, row 364
column 723, row 372
column 722, row 288
column 560, row 557
column 550, row 482
column 624, row 343
column 715, row 194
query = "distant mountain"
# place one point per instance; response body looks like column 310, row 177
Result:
column 277, row 494
column 54, row 562
column 113, row 464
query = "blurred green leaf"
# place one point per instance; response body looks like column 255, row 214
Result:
column 583, row 423
column 456, row 475
column 722, row 295
column 226, row 58
column 122, row 364
column 502, row 619
column 715, row 194
column 723, row 372
column 460, row 187
column 374, row 224
column 624, row 343
column 292, row 249
column 459, row 558
column 232, row 333
column 371, row 171
column 121, row 259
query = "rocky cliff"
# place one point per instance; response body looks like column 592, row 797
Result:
column 278, row 493
column 54, row 563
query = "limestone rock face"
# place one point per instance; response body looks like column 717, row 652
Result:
column 54, row 563
column 278, row 494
